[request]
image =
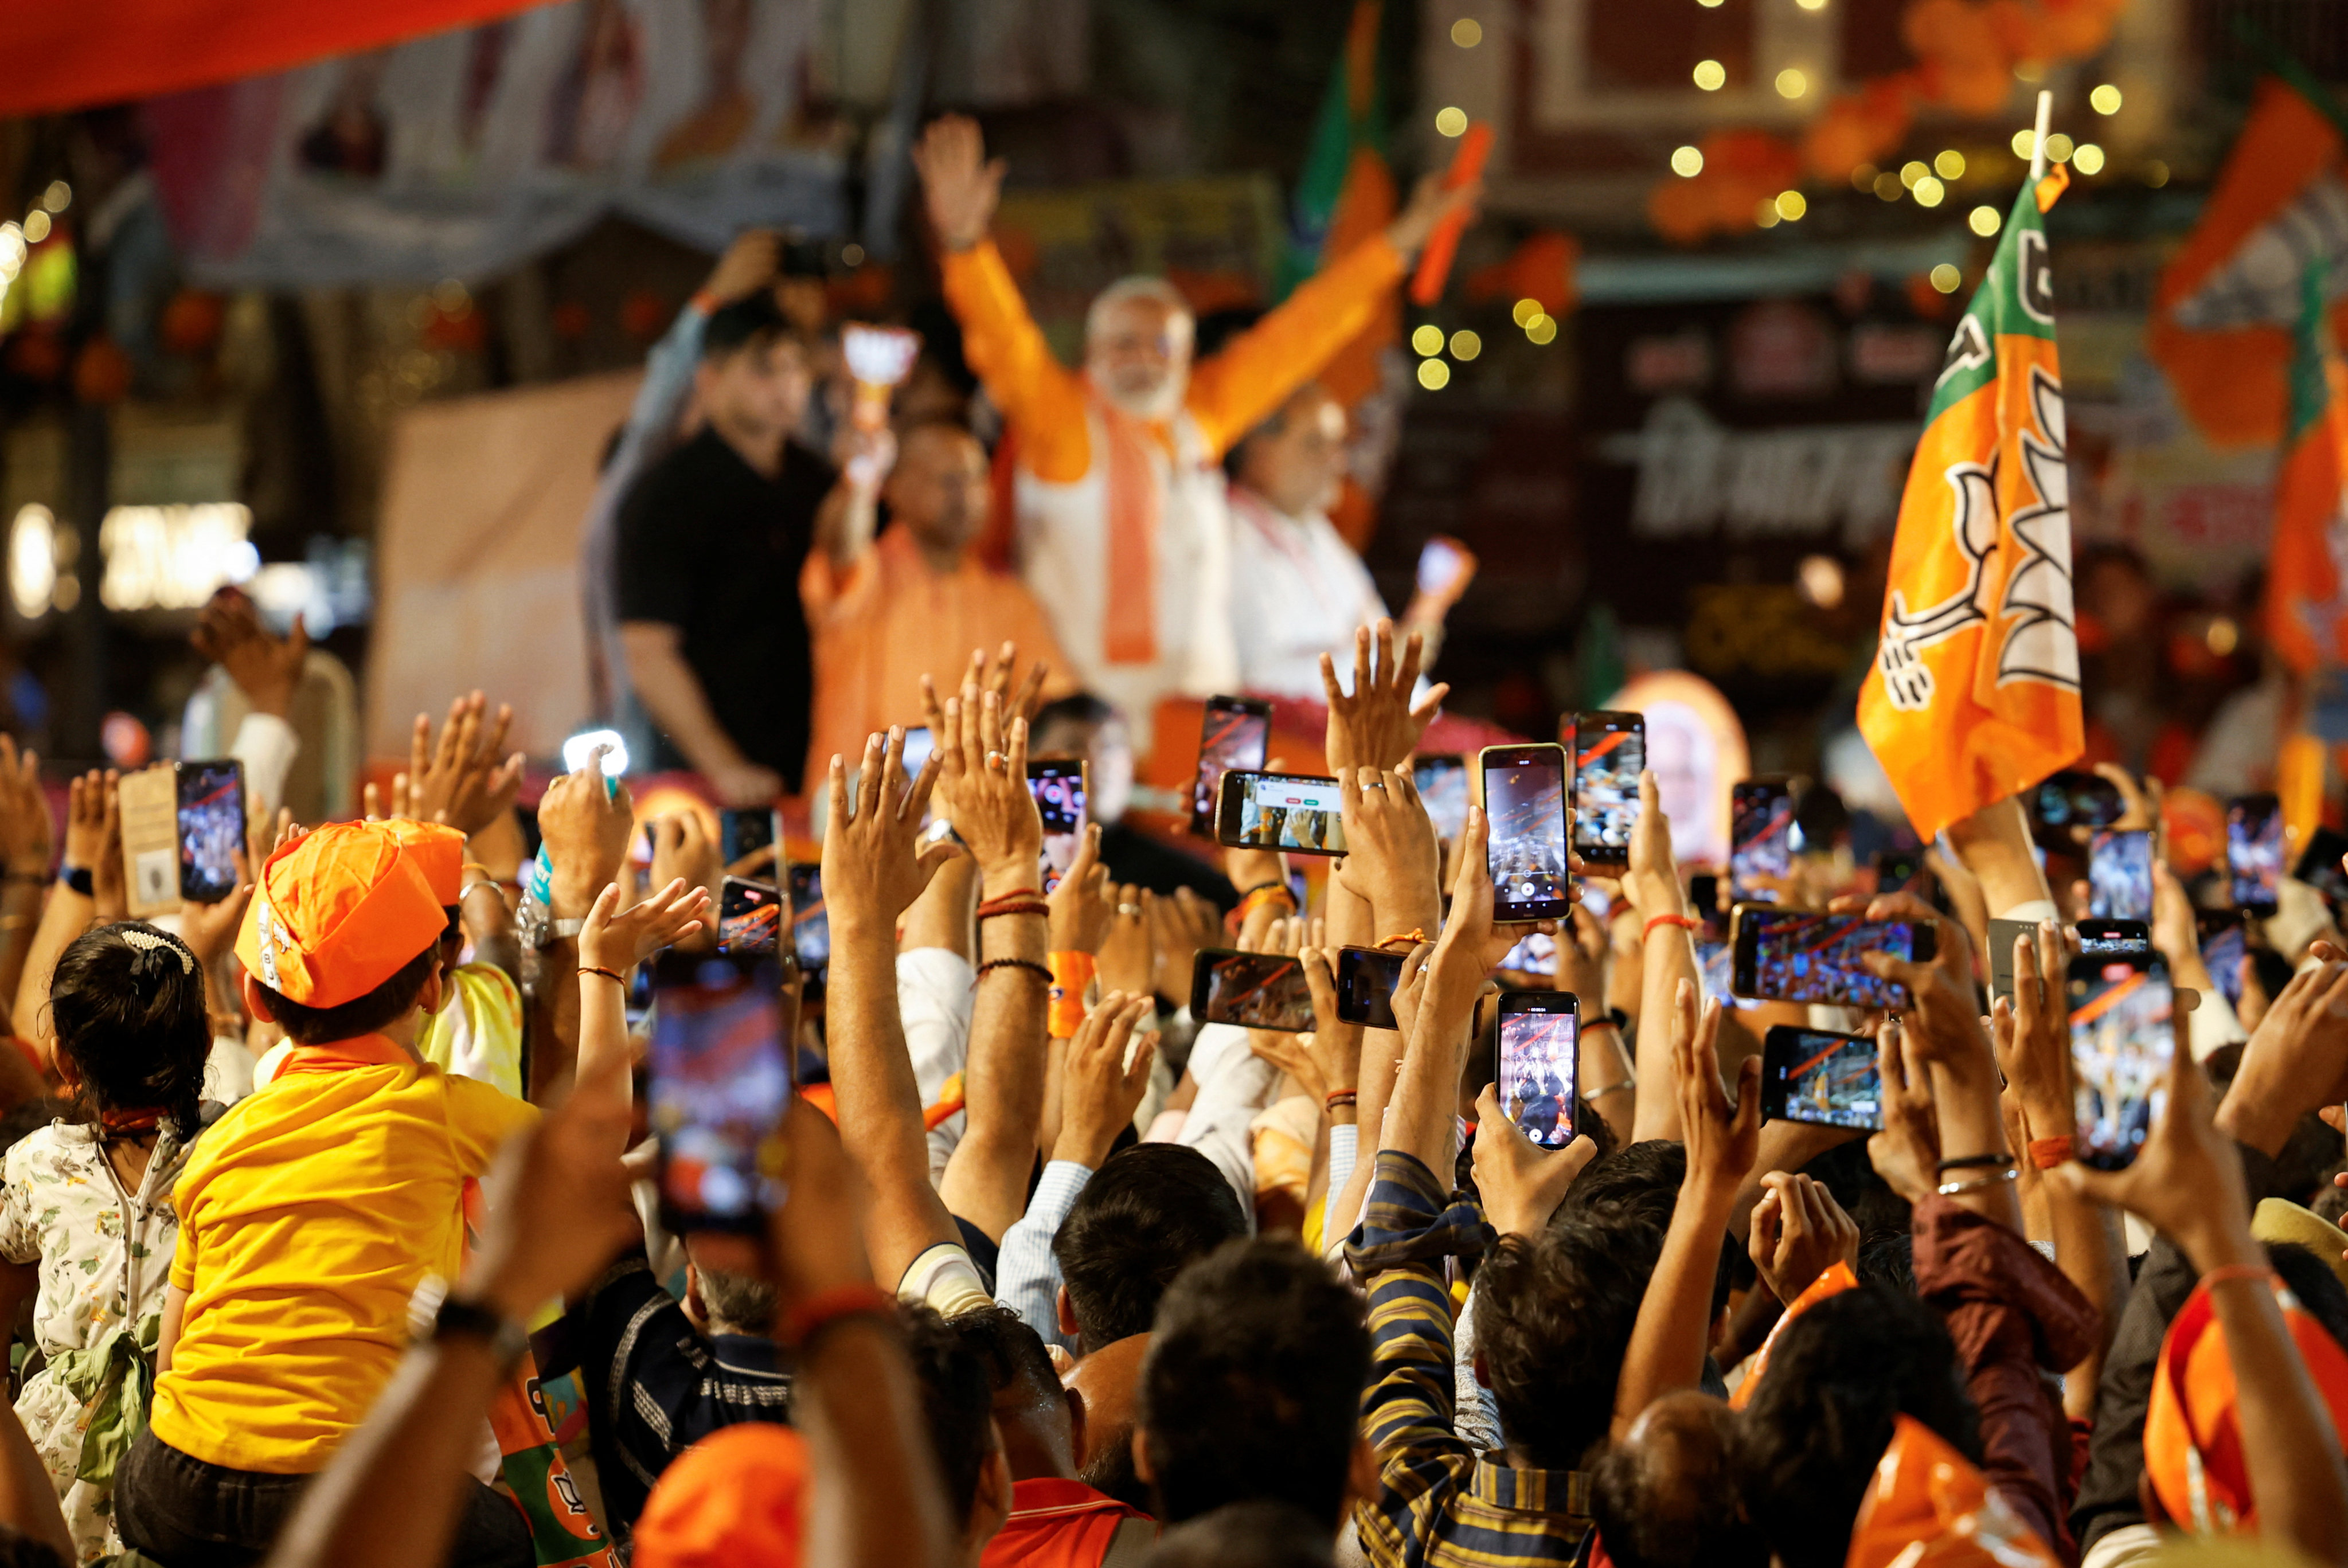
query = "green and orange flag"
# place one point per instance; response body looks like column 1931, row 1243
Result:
column 2305, row 607
column 1974, row 693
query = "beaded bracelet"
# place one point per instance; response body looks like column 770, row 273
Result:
column 1685, row 921
column 1029, row 965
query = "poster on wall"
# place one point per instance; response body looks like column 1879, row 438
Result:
column 462, row 154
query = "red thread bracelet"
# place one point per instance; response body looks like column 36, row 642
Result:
column 612, row 975
column 826, row 1307
column 2227, row 1272
column 1685, row 921
column 1341, row 1097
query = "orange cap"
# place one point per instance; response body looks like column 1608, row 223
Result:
column 438, row 851
column 2192, row 1433
column 736, row 1499
column 337, row 912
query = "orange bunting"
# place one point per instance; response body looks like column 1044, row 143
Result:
column 1929, row 1507
column 1541, row 269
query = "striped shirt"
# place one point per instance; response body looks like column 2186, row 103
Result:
column 1440, row 1502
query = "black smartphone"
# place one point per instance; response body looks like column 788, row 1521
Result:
column 1442, row 783
column 1800, row 956
column 2002, row 934
column 1822, row 1077
column 2254, row 852
column 2119, row 875
column 810, row 928
column 1524, row 812
column 211, row 827
column 1760, row 840
column 919, row 744
column 2318, row 865
column 744, row 831
column 2121, row 1046
column 1300, row 812
column 1252, row 990
column 1058, row 785
column 719, row 1082
column 749, row 916
column 1895, row 868
column 1235, row 733
column 1538, row 1062
column 2101, row 938
column 2222, row 952
column 2077, row 798
column 1610, row 752
column 1366, row 978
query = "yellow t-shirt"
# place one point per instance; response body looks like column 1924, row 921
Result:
column 476, row 1034
column 309, row 1214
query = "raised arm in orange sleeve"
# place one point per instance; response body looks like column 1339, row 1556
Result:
column 1041, row 397
column 1232, row 392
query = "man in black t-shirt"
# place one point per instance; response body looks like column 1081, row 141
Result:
column 712, row 539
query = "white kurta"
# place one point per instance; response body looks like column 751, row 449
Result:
column 1298, row 591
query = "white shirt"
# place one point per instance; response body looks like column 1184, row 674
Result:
column 1298, row 591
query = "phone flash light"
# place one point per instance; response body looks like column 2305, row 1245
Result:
column 580, row 747
column 880, row 355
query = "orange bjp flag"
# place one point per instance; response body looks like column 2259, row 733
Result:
column 2305, row 606
column 1974, row 692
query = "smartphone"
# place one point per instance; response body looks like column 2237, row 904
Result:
column 2222, row 952
column 1236, row 733
column 2119, row 875
column 744, row 831
column 749, row 916
column 2121, row 1046
column 1296, row 812
column 2101, row 938
column 2075, row 799
column 1704, row 896
column 1252, row 990
column 1610, row 752
column 810, row 928
column 1442, row 784
column 919, row 744
column 1524, row 808
column 1799, row 955
column 1444, row 567
column 2002, row 934
column 1715, row 972
column 211, row 827
column 1535, row 954
column 720, row 1080
column 1761, row 840
column 1058, row 785
column 1895, row 868
column 1366, row 978
column 2254, row 852
column 1538, row 1063
column 2318, row 865
column 1821, row 1078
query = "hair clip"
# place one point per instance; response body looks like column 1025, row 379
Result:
column 153, row 941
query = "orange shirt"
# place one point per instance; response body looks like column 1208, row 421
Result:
column 893, row 619
column 1065, row 1524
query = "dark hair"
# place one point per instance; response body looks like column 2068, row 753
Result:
column 751, row 322
column 1145, row 1214
column 1256, row 1534
column 1665, row 1501
column 128, row 1003
column 1807, row 1449
column 1253, row 1385
column 2318, row 1289
column 1078, row 707
column 744, row 1304
column 1009, row 1350
column 1638, row 1184
column 1554, row 1320
column 18, row 1550
column 2305, row 1159
column 955, row 1401
column 365, row 1015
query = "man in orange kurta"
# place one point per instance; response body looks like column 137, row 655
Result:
column 1121, row 524
column 916, row 601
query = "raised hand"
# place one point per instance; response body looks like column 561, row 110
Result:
column 211, row 928
column 1180, row 924
column 1723, row 1137
column 960, row 185
column 583, row 823
column 981, row 765
column 683, row 849
column 28, row 833
column 874, row 865
column 1392, row 856
column 1084, row 908
column 2297, row 1059
column 616, row 941
column 1100, row 1089
column 1799, row 1232
column 1907, row 1152
column 1374, row 725
column 1129, row 962
column 1520, row 1182
column 459, row 778
column 2032, row 1033
column 266, row 668
column 1653, row 884
column 1471, row 931
column 747, row 265
column 110, row 878
column 1430, row 203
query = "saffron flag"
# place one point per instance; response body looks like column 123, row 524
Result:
column 1974, row 692
column 2304, row 607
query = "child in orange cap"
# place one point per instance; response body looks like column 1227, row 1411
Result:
column 315, row 1211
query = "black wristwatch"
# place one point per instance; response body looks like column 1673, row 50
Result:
column 460, row 1319
column 79, row 879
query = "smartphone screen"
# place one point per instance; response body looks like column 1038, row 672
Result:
column 2101, row 938
column 745, row 832
column 2222, row 952
column 2254, row 852
column 1442, row 784
column 1761, row 840
column 1440, row 562
column 1821, row 1078
column 810, row 926
column 211, row 827
column 1366, row 978
column 2121, row 1046
column 749, row 917
column 1280, row 811
column 1535, row 954
column 1058, row 785
column 1715, row 974
column 1524, row 806
column 2075, row 799
column 919, row 744
column 2318, row 865
column 1610, row 752
column 2119, row 875
column 1799, row 956
column 720, row 1080
column 1540, row 1059
column 1252, row 990
column 1236, row 733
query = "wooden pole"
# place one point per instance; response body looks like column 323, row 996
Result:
column 2038, row 140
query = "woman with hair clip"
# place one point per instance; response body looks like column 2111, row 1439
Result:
column 89, row 1199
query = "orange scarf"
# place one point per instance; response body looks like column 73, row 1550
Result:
column 1136, row 505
